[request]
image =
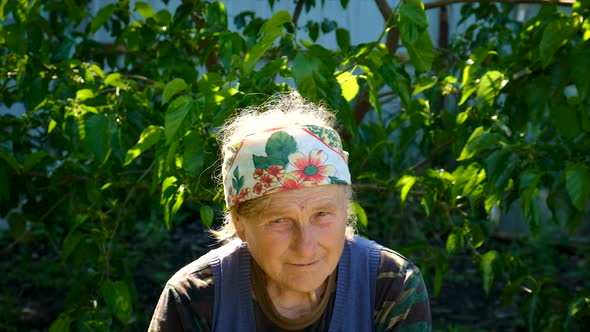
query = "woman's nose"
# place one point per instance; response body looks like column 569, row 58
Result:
column 306, row 241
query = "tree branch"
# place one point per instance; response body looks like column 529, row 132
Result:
column 392, row 39
column 431, row 156
column 297, row 11
column 442, row 3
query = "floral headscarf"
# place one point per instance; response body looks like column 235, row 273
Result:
column 283, row 159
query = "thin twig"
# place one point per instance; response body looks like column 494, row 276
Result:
column 48, row 212
column 431, row 156
column 109, row 246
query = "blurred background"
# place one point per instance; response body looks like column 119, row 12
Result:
column 467, row 124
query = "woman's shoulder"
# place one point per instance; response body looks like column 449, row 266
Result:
column 195, row 275
column 393, row 262
column 401, row 295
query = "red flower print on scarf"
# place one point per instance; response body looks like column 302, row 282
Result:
column 310, row 168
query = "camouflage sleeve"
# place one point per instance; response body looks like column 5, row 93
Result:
column 401, row 301
column 186, row 304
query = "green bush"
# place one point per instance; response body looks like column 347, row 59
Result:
column 117, row 144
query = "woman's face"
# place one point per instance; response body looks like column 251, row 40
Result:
column 298, row 236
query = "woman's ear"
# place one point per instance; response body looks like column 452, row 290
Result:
column 237, row 221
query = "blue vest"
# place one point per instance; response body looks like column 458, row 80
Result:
column 355, row 289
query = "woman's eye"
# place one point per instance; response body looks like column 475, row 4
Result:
column 322, row 214
column 279, row 221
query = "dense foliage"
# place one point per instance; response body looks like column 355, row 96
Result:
column 117, row 143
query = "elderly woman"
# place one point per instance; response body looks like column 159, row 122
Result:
column 292, row 261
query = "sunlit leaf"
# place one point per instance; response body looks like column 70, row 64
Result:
column 453, row 243
column 349, row 85
column 150, row 136
column 207, row 215
column 84, row 94
column 479, row 140
column 172, row 88
column 404, row 185
column 116, row 80
column 490, row 85
column 361, row 215
column 144, row 9
column 424, row 83
column 488, row 260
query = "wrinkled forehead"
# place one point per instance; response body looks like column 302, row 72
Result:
column 304, row 199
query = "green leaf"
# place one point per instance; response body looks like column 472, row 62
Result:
column 270, row 31
column 193, row 157
column 173, row 87
column 217, row 14
column 490, row 85
column 118, row 298
column 116, row 80
column 150, row 136
column 207, row 215
column 453, row 243
column 328, row 25
column 172, row 198
column 397, row 79
column 168, row 188
column 477, row 236
column 428, row 201
column 565, row 118
column 17, row 224
column 349, row 85
column 52, row 124
column 412, row 21
column 488, row 260
column 99, row 130
column 361, row 215
column 479, row 140
column 439, row 274
column 101, row 17
column 424, row 83
column 405, row 183
column 85, row 94
column 61, row 324
column 314, row 74
column 70, row 243
column 144, row 9
column 556, row 34
column 180, row 116
column 313, row 29
column 577, row 182
column 33, row 159
column 421, row 52
column 343, row 39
